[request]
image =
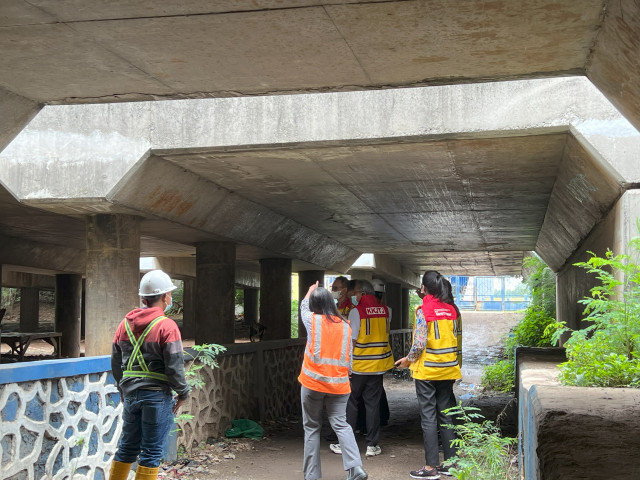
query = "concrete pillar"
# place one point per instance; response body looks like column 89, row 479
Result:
column 251, row 305
column 405, row 307
column 393, row 292
column 189, row 308
column 275, row 297
column 215, row 292
column 29, row 309
column 112, row 277
column 68, row 312
column 307, row 278
column 83, row 311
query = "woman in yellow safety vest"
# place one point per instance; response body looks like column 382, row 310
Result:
column 325, row 382
column 433, row 359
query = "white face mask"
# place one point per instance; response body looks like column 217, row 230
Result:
column 354, row 300
column 336, row 295
column 166, row 309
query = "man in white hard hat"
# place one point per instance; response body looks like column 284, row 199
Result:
column 148, row 364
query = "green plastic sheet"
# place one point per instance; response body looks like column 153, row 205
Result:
column 243, row 427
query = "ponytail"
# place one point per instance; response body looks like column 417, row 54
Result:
column 434, row 284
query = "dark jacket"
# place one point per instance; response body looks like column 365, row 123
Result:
column 161, row 350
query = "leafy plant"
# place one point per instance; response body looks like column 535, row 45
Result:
column 294, row 319
column 499, row 377
column 607, row 352
column 482, row 452
column 534, row 328
column 205, row 355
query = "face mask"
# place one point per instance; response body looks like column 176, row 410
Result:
column 335, row 295
column 354, row 300
column 166, row 309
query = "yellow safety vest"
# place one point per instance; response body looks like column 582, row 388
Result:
column 372, row 352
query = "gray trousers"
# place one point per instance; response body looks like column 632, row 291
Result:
column 336, row 405
column 434, row 396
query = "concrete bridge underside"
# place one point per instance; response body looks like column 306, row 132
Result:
column 435, row 143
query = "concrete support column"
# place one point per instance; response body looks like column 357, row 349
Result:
column 112, row 278
column 393, row 293
column 405, row 307
column 68, row 312
column 215, row 292
column 305, row 280
column 189, row 308
column 251, row 305
column 29, row 309
column 275, row 297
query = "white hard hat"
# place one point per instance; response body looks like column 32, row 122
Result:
column 378, row 285
column 155, row 282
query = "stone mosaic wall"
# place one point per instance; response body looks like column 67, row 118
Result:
column 59, row 428
column 255, row 381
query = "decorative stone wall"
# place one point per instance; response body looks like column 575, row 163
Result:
column 258, row 381
column 61, row 419
column 400, row 341
column 58, row 428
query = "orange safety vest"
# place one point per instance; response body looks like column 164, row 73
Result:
column 325, row 367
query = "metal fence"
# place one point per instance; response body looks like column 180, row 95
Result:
column 490, row 293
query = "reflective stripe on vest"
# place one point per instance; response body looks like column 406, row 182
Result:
column 136, row 357
column 327, row 371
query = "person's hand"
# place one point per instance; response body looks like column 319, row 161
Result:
column 177, row 405
column 311, row 289
column 403, row 363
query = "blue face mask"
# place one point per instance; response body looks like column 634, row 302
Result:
column 354, row 300
column 166, row 309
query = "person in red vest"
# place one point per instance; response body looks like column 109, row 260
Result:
column 325, row 382
column 372, row 358
column 433, row 359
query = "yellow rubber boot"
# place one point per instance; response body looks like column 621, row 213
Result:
column 119, row 470
column 147, row 473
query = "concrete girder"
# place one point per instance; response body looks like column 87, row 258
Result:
column 91, row 138
column 15, row 114
column 192, row 201
column 583, row 193
column 43, row 256
column 185, row 267
column 614, row 64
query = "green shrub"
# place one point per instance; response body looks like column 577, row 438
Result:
column 607, row 352
column 534, row 330
column 482, row 452
column 499, row 377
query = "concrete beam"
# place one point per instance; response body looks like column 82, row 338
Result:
column 615, row 62
column 45, row 256
column 15, row 279
column 185, row 267
column 15, row 113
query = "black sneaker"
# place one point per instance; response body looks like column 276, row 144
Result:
column 443, row 470
column 431, row 474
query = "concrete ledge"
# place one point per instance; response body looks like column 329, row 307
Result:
column 574, row 432
column 49, row 369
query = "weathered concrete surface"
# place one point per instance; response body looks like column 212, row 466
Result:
column 215, row 292
column 112, row 277
column 480, row 160
column 275, row 298
column 613, row 232
column 616, row 55
column 68, row 311
column 29, row 309
column 109, row 52
column 574, row 432
column 15, row 113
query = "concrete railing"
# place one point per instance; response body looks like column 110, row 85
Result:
column 61, row 418
column 573, row 432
